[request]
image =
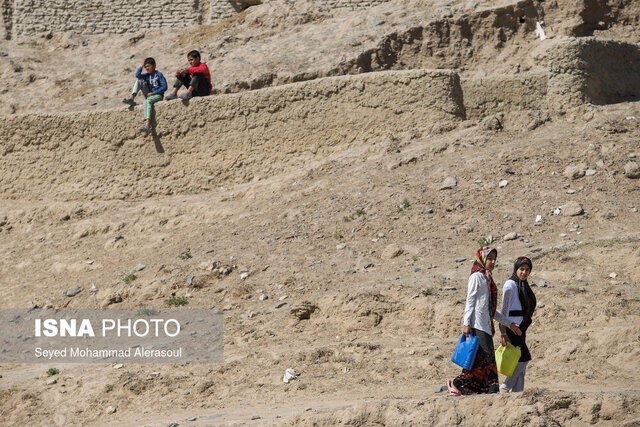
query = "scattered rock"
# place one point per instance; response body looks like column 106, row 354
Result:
column 572, row 191
column 263, row 297
column 303, row 310
column 391, row 251
column 503, row 183
column 613, row 275
column 449, row 183
column 351, row 271
column 283, row 297
column 449, row 288
column 192, row 418
column 118, row 366
column 110, row 410
column 632, row 170
column 280, row 305
column 73, row 292
column 243, row 276
column 429, row 211
column 460, row 259
column 94, row 288
column 509, row 171
column 139, row 267
column 341, row 246
column 289, row 375
column 572, row 209
column 590, row 172
column 59, row 419
column 541, row 284
column 255, row 417
column 440, row 389
column 575, row 171
column 511, row 236
column 540, row 305
column 581, row 289
column 52, row 381
column 190, row 278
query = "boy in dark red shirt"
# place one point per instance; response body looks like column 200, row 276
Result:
column 196, row 78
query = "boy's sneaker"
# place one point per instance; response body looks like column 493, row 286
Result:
column 145, row 128
column 171, row 96
column 129, row 101
column 186, row 96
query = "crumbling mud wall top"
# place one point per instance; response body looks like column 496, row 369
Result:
column 217, row 139
column 593, row 70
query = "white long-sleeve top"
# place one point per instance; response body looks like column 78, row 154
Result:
column 476, row 310
column 511, row 301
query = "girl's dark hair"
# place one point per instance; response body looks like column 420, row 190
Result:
column 194, row 54
column 149, row 61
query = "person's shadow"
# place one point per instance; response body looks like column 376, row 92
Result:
column 154, row 134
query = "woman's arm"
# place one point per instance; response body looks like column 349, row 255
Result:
column 470, row 306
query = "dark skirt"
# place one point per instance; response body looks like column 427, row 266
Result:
column 483, row 376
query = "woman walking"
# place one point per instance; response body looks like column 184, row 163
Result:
column 479, row 312
column 518, row 304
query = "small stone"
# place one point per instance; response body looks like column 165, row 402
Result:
column 460, row 259
column 541, row 284
column 590, row 172
column 613, row 275
column 575, row 171
column 341, row 246
column 73, row 292
column 572, row 191
column 192, row 418
column 243, row 276
column 59, row 419
column 509, row 171
column 94, row 288
column 449, row 183
column 449, row 288
column 255, row 417
column 263, row 297
column 540, row 305
column 353, row 253
column 283, row 297
column 52, row 381
column 572, row 209
column 632, row 170
column 190, row 279
column 139, row 267
column 440, row 389
column 391, row 251
column 581, row 289
column 511, row 236
column 110, row 410
column 118, row 366
column 503, row 183
column 280, row 305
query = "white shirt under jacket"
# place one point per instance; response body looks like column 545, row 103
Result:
column 476, row 311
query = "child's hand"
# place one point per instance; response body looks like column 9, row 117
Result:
column 466, row 330
column 515, row 329
column 504, row 340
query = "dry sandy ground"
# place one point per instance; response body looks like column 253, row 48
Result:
column 335, row 233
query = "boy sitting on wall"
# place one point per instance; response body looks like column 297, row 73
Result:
column 196, row 78
column 152, row 85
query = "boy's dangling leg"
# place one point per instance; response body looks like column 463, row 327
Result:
column 148, row 111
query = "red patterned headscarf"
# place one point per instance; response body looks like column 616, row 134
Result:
column 479, row 265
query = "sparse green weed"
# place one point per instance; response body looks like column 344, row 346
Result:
column 185, row 255
column 130, row 278
column 404, row 205
column 426, row 292
column 177, row 301
column 53, row 371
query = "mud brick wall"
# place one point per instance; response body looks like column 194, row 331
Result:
column 100, row 16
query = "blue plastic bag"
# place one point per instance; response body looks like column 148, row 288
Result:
column 465, row 352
